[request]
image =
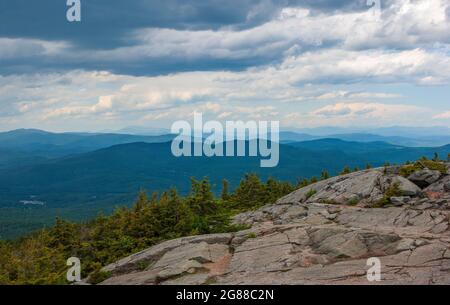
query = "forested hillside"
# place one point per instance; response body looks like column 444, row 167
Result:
column 40, row 258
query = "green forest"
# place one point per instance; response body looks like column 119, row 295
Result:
column 40, row 258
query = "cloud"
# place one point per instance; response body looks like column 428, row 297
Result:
column 304, row 62
column 23, row 48
column 103, row 105
column 339, row 66
column 443, row 116
column 250, row 93
column 290, row 29
column 357, row 95
column 361, row 114
column 364, row 109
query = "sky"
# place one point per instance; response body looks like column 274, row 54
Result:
column 305, row 63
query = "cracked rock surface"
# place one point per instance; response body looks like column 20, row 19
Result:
column 307, row 240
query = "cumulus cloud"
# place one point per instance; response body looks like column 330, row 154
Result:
column 104, row 99
column 300, row 61
column 290, row 31
column 337, row 65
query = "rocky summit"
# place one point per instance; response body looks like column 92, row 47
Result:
column 321, row 234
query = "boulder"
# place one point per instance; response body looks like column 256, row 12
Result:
column 425, row 177
column 407, row 187
column 441, row 186
column 365, row 187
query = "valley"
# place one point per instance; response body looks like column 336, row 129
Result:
column 77, row 175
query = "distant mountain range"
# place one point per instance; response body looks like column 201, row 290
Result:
column 397, row 131
column 77, row 175
column 25, row 146
column 419, row 141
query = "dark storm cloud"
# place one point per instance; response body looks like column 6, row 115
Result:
column 105, row 22
column 111, row 24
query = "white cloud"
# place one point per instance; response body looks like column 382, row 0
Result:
column 102, row 106
column 300, row 58
column 23, row 47
column 404, row 24
column 357, row 95
column 443, row 116
column 362, row 114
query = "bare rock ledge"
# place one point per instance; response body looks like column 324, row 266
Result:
column 303, row 239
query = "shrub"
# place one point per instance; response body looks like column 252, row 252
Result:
column 251, row 235
column 310, row 193
column 346, row 171
column 353, row 201
column 409, row 169
column 325, row 175
column 99, row 276
column 392, row 191
column 329, row 201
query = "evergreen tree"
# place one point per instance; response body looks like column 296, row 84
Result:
column 325, row 175
column 141, row 201
column 436, row 157
column 346, row 170
column 225, row 195
column 302, row 183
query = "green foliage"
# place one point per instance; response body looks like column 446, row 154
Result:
column 98, row 276
column 346, row 171
column 353, row 201
column 40, row 258
column 252, row 193
column 408, row 169
column 325, row 175
column 329, row 201
column 251, row 235
column 302, row 183
column 436, row 157
column 310, row 193
column 393, row 191
column 225, row 193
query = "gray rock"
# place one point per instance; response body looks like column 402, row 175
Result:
column 301, row 240
column 399, row 201
column 425, row 177
column 441, row 186
column 153, row 254
column 407, row 187
column 365, row 187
